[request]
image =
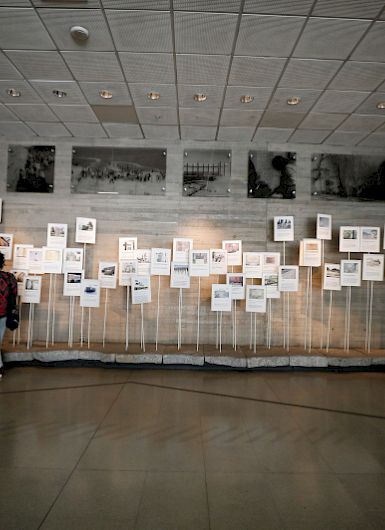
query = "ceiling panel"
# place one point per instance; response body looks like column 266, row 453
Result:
column 279, row 7
column 160, row 115
column 198, row 117
column 73, row 4
column 238, row 134
column 374, row 140
column 40, row 64
column 22, row 29
column 359, row 76
column 346, row 138
column 74, row 113
column 202, row 69
column 34, row 113
column 6, row 114
column 161, row 132
column 86, row 130
column 120, row 95
column 71, row 88
column 236, row 117
column 309, row 73
column 227, row 6
column 145, row 31
column 7, row 70
column 282, row 120
column 214, row 95
column 255, row 71
column 198, row 133
column 15, row 130
column 372, row 47
column 148, row 67
column 59, row 22
column 27, row 93
column 265, row 35
column 281, row 96
column 94, row 66
column 369, row 106
column 339, row 101
column 362, row 123
column 206, row 33
column 272, row 134
column 123, row 130
column 261, row 97
column 330, row 38
column 348, row 8
column 140, row 91
column 49, row 129
column 136, row 4
column 15, row 3
column 115, row 113
column 308, row 136
column 322, row 121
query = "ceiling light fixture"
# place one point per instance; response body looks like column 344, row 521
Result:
column 105, row 94
column 59, row 93
column 79, row 33
column 13, row 92
column 381, row 105
column 247, row 99
column 294, row 100
column 154, row 96
column 200, row 98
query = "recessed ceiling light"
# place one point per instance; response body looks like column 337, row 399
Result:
column 79, row 33
column 247, row 99
column 13, row 92
column 381, row 105
column 153, row 95
column 294, row 100
column 200, row 98
column 105, row 94
column 59, row 93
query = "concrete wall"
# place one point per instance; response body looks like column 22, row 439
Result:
column 156, row 220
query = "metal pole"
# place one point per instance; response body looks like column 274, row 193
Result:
column 127, row 308
column 49, row 311
column 105, row 317
column 198, row 310
column 370, row 316
column 157, row 316
column 143, row 342
column 329, row 321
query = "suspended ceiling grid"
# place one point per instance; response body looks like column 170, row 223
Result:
column 328, row 53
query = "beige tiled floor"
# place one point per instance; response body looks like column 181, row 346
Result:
column 94, row 448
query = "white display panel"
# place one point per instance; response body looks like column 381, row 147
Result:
column 233, row 248
column 350, row 272
column 270, row 282
column 220, row 297
column 107, row 274
column 349, row 239
column 127, row 269
column 35, row 260
column 141, row 289
column 271, row 261
column 160, row 261
column 90, row 293
column 255, row 299
column 324, row 226
column 370, row 238
column 52, row 260
column 332, row 277
column 32, row 290
column 252, row 264
column 143, row 257
column 180, row 275
column 72, row 285
column 20, row 256
column 288, row 278
column 181, row 247
column 85, row 230
column 284, row 228
column 236, row 280
column 20, row 276
column 72, row 259
column 218, row 261
column 373, row 267
column 127, row 245
column 6, row 242
column 57, row 235
column 310, row 253
column 199, row 263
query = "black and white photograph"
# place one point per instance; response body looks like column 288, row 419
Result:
column 284, row 228
column 350, row 273
column 349, row 239
column 31, row 168
column 199, row 263
column 373, row 267
column 220, row 297
column 370, row 238
column 354, row 177
column 324, row 226
column 20, row 276
column 271, row 175
column 6, row 242
column 180, row 275
column 32, row 290
column 107, row 274
column 206, row 173
column 270, row 282
column 255, row 299
column 85, row 230
column 332, row 277
column 288, row 278
column 141, row 289
column 90, row 293
column 127, row 246
column 143, row 257
column 126, row 171
column 72, row 283
column 57, row 235
column 127, row 269
column 160, row 261
column 218, row 261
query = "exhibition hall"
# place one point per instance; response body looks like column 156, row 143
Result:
column 192, row 295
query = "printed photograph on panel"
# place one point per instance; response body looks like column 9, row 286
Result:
column 206, row 173
column 31, row 168
column 355, row 177
column 271, row 175
column 118, row 171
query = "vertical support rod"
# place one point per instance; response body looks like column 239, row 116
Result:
column 157, row 316
column 49, row 311
column 105, row 317
column 198, row 311
column 127, row 309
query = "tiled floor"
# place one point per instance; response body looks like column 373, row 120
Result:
column 94, row 448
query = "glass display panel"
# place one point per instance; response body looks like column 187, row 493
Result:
column 31, row 168
column 206, row 173
column 271, row 175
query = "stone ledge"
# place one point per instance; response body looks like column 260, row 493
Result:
column 187, row 354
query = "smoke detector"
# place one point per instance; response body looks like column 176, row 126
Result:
column 79, row 33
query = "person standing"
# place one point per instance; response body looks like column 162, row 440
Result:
column 8, row 294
